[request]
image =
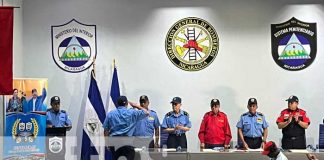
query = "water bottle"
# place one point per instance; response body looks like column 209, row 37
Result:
column 178, row 149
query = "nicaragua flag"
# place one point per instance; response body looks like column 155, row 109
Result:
column 93, row 141
column 114, row 91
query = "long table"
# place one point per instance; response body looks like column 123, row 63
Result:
column 212, row 156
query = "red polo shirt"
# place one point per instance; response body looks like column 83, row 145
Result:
column 214, row 129
column 286, row 113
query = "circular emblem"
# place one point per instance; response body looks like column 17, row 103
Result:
column 55, row 144
column 192, row 44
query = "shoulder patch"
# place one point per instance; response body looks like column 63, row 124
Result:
column 186, row 113
column 152, row 111
column 261, row 114
column 168, row 114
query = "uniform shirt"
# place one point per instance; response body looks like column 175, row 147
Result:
column 58, row 119
column 280, row 156
column 146, row 126
column 252, row 125
column 122, row 121
column 214, row 129
column 171, row 120
column 293, row 129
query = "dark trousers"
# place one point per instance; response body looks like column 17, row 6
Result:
column 294, row 142
column 253, row 143
column 211, row 146
column 174, row 141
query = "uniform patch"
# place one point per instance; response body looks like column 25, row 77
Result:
column 151, row 118
column 192, row 44
column 259, row 120
column 294, row 44
column 74, row 46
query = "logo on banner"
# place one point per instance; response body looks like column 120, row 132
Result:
column 55, row 144
column 25, row 131
column 74, row 46
column 192, row 44
column 294, row 44
column 92, row 125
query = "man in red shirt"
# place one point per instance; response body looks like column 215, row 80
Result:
column 214, row 129
column 293, row 122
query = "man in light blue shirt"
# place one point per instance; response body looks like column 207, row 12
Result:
column 176, row 123
column 149, row 125
column 36, row 102
column 57, row 117
column 252, row 127
column 122, row 121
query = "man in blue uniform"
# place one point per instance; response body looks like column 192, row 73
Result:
column 36, row 102
column 176, row 123
column 252, row 127
column 122, row 121
column 149, row 125
column 57, row 117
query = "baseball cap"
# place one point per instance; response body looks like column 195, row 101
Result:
column 252, row 101
column 214, row 102
column 292, row 99
column 122, row 100
column 55, row 99
column 176, row 100
column 269, row 147
column 143, row 99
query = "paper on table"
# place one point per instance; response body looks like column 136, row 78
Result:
column 169, row 149
column 210, row 150
column 255, row 150
column 299, row 150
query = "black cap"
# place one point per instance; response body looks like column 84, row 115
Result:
column 55, row 99
column 292, row 99
column 252, row 101
column 176, row 100
column 214, row 102
column 122, row 100
column 143, row 99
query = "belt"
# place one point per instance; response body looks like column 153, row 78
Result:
column 294, row 138
column 178, row 135
column 253, row 138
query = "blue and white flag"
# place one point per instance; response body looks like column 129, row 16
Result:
column 114, row 91
column 93, row 142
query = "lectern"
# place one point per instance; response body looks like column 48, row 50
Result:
column 55, row 142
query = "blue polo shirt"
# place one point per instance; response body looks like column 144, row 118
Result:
column 122, row 121
column 252, row 125
column 171, row 120
column 146, row 126
column 58, row 119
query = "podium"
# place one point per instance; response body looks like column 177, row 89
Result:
column 55, row 142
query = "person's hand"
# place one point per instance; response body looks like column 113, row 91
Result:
column 245, row 145
column 290, row 118
column 156, row 145
column 296, row 116
column 227, row 146
column 202, row 146
column 135, row 105
column 311, row 156
column 263, row 144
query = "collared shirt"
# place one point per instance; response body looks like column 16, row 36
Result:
column 293, row 129
column 171, row 120
column 34, row 103
column 252, row 125
column 146, row 126
column 58, row 119
column 214, row 129
column 280, row 156
column 122, row 121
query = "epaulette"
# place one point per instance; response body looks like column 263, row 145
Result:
column 63, row 111
column 168, row 114
column 186, row 113
column 244, row 114
column 49, row 109
column 152, row 111
column 259, row 113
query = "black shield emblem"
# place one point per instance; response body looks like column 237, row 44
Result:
column 294, row 44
